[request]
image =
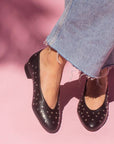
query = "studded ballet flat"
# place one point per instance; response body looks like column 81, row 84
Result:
column 49, row 118
column 93, row 120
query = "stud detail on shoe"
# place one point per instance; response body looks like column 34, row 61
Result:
column 92, row 120
column 49, row 118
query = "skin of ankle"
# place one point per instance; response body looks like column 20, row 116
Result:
column 97, row 87
column 53, row 58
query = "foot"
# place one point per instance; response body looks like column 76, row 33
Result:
column 51, row 68
column 96, row 91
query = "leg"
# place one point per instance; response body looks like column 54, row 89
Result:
column 50, row 74
column 96, row 90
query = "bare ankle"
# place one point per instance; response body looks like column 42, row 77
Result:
column 53, row 57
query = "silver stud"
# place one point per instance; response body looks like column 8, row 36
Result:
column 86, row 112
column 100, row 121
column 47, row 111
column 81, row 100
column 85, row 119
column 106, row 107
column 53, row 122
column 51, row 112
column 56, row 113
column 55, row 117
column 32, row 65
column 92, row 119
column 82, row 116
column 107, row 102
column 42, row 106
column 93, row 113
column 101, row 117
column 88, row 116
column 79, row 104
column 83, row 109
column 98, row 113
column 49, row 116
column 29, row 63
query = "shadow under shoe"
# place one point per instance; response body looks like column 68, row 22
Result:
column 93, row 120
column 49, row 118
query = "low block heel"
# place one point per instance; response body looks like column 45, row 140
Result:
column 27, row 72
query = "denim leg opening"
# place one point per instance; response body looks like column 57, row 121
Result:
column 98, row 77
column 81, row 72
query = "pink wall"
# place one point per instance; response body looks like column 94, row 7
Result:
column 24, row 25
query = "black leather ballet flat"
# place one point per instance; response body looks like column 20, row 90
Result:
column 49, row 118
column 93, row 120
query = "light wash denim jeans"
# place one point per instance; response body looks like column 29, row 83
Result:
column 84, row 35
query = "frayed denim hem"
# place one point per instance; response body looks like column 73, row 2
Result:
column 82, row 73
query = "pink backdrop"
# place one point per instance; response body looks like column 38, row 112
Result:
column 24, row 25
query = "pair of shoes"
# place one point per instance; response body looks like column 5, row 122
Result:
column 49, row 118
column 93, row 120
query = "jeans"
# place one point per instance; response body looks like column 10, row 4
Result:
column 84, row 35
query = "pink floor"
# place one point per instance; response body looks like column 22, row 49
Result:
column 24, row 26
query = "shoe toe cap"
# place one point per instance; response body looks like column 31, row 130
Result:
column 49, row 122
column 93, row 125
